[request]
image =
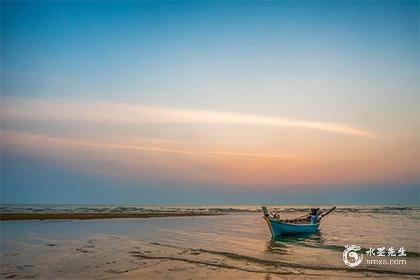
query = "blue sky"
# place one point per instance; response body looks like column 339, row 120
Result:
column 217, row 101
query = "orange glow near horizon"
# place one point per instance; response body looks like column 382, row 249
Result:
column 264, row 166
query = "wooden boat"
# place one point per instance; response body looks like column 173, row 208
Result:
column 300, row 225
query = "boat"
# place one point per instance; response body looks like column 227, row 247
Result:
column 300, row 225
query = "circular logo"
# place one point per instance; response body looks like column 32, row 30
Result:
column 351, row 257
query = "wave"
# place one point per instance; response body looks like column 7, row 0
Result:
column 15, row 208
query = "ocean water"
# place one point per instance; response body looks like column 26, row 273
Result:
column 239, row 240
column 77, row 208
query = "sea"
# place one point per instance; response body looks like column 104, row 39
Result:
column 385, row 237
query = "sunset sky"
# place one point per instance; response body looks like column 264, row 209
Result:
column 210, row 102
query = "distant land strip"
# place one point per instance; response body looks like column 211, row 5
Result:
column 91, row 216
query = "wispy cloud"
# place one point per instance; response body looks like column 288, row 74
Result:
column 17, row 138
column 121, row 113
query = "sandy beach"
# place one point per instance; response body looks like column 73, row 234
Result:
column 236, row 245
column 115, row 257
column 90, row 216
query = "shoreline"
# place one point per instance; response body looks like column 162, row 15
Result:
column 95, row 215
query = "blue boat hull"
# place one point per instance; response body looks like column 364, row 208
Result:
column 279, row 228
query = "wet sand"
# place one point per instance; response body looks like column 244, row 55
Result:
column 91, row 216
column 235, row 246
column 115, row 257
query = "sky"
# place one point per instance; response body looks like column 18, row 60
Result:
column 196, row 102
